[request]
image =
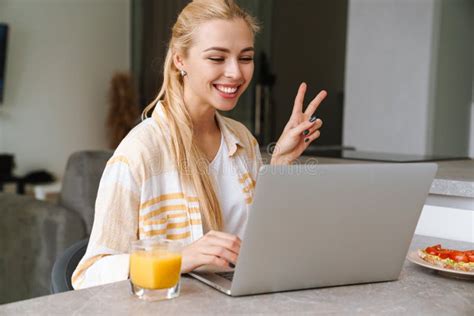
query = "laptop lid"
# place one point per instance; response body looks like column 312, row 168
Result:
column 325, row 225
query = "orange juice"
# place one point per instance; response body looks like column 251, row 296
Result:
column 155, row 269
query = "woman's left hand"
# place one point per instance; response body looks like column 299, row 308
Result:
column 300, row 131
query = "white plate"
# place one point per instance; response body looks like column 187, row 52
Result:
column 413, row 257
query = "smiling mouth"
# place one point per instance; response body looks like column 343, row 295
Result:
column 226, row 89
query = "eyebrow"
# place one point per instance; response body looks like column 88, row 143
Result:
column 225, row 50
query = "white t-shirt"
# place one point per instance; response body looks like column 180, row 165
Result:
column 229, row 192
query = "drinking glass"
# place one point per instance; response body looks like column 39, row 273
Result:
column 155, row 268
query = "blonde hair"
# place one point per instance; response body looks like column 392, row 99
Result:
column 187, row 155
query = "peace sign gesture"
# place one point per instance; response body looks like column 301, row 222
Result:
column 301, row 129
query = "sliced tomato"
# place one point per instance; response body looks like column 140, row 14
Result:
column 458, row 256
column 470, row 255
column 444, row 254
column 455, row 255
column 433, row 250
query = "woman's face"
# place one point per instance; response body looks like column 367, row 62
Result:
column 219, row 64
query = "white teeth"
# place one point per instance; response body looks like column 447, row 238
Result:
column 227, row 90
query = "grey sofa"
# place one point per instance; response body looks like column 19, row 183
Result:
column 34, row 233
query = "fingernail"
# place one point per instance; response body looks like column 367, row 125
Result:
column 313, row 118
column 306, row 140
column 306, row 132
column 231, row 265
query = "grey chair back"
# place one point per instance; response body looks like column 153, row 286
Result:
column 81, row 182
column 65, row 265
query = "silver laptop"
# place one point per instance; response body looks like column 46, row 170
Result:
column 325, row 225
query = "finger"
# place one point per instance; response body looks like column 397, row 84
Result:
column 220, row 252
column 314, row 104
column 317, row 125
column 224, row 243
column 222, row 235
column 298, row 105
column 213, row 260
column 300, row 128
column 310, row 138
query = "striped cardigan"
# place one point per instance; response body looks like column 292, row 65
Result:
column 141, row 196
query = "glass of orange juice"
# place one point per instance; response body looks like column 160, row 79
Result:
column 155, row 268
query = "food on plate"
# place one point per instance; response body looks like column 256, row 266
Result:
column 460, row 260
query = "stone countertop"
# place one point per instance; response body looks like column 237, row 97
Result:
column 454, row 177
column 419, row 291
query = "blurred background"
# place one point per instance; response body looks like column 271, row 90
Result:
column 399, row 73
column 76, row 74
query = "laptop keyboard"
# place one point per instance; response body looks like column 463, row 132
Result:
column 226, row 275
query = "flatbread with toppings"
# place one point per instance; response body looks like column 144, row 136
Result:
column 460, row 260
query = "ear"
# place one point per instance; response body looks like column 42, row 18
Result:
column 178, row 61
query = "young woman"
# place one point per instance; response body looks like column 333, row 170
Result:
column 187, row 173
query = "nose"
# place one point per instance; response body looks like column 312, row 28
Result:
column 233, row 70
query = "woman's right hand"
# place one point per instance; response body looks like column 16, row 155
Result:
column 215, row 248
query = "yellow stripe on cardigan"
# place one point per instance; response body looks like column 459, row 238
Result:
column 160, row 221
column 246, row 176
column 176, row 215
column 184, row 224
column 165, row 197
column 118, row 159
column 84, row 266
column 249, row 187
column 193, row 210
column 178, row 236
column 151, row 233
column 196, row 221
column 177, row 225
column 162, row 210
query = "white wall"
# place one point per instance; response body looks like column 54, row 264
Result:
column 387, row 75
column 471, row 135
column 453, row 76
column 61, row 56
column 398, row 98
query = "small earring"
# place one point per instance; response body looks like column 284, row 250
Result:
column 183, row 72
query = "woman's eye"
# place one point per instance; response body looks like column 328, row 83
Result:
column 246, row 59
column 221, row 59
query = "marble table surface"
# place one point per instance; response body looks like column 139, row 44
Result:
column 419, row 291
